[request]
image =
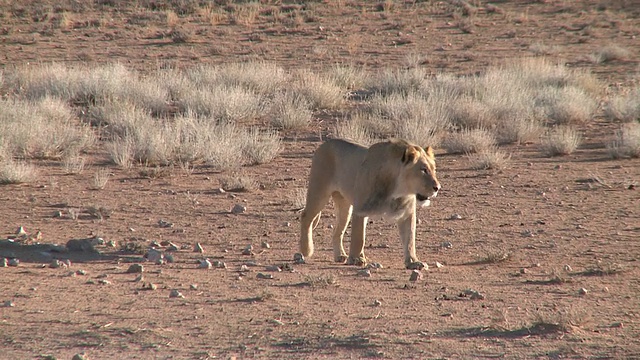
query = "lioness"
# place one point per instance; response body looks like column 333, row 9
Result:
column 389, row 179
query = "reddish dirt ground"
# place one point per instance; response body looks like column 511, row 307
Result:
column 565, row 224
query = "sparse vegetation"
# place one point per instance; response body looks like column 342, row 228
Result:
column 238, row 183
column 16, row 172
column 624, row 107
column 562, row 140
column 491, row 159
column 469, row 141
column 610, row 53
column 626, row 142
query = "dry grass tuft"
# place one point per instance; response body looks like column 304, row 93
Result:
column 610, row 53
column 562, row 140
column 290, row 112
column 469, row 141
column 491, row 159
column 16, row 172
column 624, row 107
column 626, row 143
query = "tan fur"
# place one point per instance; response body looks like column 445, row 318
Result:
column 389, row 178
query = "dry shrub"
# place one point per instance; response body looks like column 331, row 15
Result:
column 355, row 131
column 469, row 141
column 397, row 81
column 320, row 91
column 562, row 140
column 290, row 111
column 626, row 142
column 491, row 159
column 348, row 77
column 610, row 53
column 624, row 107
column 259, row 147
column 16, row 172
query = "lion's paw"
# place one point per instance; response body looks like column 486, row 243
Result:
column 359, row 261
column 340, row 259
column 417, row 265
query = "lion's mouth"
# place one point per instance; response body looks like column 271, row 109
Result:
column 421, row 197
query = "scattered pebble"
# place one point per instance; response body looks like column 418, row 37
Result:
column 172, row 247
column 568, row 268
column 264, row 276
column 472, row 294
column 523, row 270
column 455, row 217
column 446, row 245
column 8, row 303
column 244, row 268
column 275, row 268
column 176, row 294
column 138, row 278
column 205, row 264
column 364, row 273
column 149, row 286
column 198, row 248
column 298, row 258
column 169, row 258
column 265, row 245
column 13, row 262
column 135, row 268
column 4, row 262
column 80, row 356
column 81, row 272
column 527, row 233
column 415, row 276
column 219, row 264
column 164, row 224
column 55, row 264
column 193, row 286
column 238, row 209
column 377, row 302
column 583, row 291
column 277, row 322
column 618, row 324
column 104, row 282
column 439, row 265
column 375, row 266
column 248, row 250
column 154, row 255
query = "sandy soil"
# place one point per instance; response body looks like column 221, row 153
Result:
column 529, row 239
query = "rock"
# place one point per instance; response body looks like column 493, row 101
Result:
column 364, row 273
column 135, row 269
column 568, row 268
column 277, row 322
column 80, row 356
column 455, row 217
column 438, row 265
column 164, row 224
column 112, row 244
column 248, row 250
column 264, row 276
column 154, row 255
column 446, row 245
column 238, row 209
column 104, row 282
column 415, row 275
column 298, row 258
column 472, row 294
column 81, row 272
column 377, row 302
column 82, row 245
column 523, row 270
column 583, row 291
column 8, row 303
column 149, row 286
column 4, row 262
column 244, row 268
column 66, row 262
column 55, row 264
column 176, row 294
column 220, row 264
column 275, row 268
column 205, row 264
column 13, row 262
column 265, row 245
column 138, row 278
column 198, row 248
column 375, row 266
column 193, row 286
column 169, row 258
column 618, row 324
column 172, row 247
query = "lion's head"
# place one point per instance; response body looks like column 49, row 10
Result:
column 419, row 175
column 395, row 169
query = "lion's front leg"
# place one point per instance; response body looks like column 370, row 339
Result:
column 358, row 233
column 407, row 228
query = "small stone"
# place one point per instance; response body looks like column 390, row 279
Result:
column 112, row 243
column 149, row 286
column 287, row 224
column 455, row 217
column 298, row 258
column 568, row 268
column 154, row 255
column 205, row 264
column 198, row 248
column 66, row 262
column 264, row 276
column 274, row 268
column 4, row 262
column 220, row 264
column 364, row 273
column 138, row 278
column 446, row 245
column 104, row 282
column 80, row 356
column 169, row 258
column 265, row 245
column 172, row 247
column 55, row 264
column 472, row 294
column 244, row 268
column 193, row 286
column 238, row 209
column 527, row 233
column 81, row 272
column 415, row 276
column 439, row 265
column 377, row 302
column 176, row 294
column 13, row 262
column 135, row 268
column 375, row 266
column 8, row 303
column 277, row 322
column 164, row 224
column 583, row 291
column 618, row 324
column 248, row 250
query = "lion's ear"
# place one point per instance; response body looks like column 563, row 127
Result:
column 429, row 151
column 410, row 155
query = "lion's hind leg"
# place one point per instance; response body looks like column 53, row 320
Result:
column 316, row 201
column 343, row 216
